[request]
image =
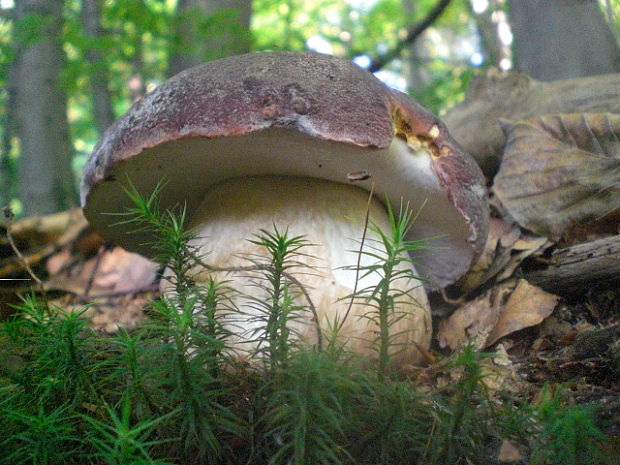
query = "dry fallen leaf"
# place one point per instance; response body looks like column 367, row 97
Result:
column 560, row 171
column 473, row 320
column 496, row 250
column 527, row 306
column 526, row 247
column 508, row 453
column 114, row 271
column 502, row 310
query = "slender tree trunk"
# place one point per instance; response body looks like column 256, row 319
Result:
column 209, row 29
column 487, row 31
column 47, row 182
column 8, row 130
column 415, row 75
column 561, row 39
column 99, row 76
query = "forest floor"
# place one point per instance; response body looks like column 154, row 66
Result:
column 572, row 343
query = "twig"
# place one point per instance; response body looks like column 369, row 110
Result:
column 115, row 295
column 91, row 278
column 9, row 216
column 451, row 300
column 412, row 34
column 359, row 256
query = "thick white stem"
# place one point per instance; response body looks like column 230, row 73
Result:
column 331, row 217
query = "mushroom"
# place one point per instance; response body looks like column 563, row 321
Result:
column 296, row 140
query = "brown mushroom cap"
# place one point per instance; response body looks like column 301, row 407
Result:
column 297, row 114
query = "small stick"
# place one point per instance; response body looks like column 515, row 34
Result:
column 359, row 255
column 91, row 278
column 9, row 216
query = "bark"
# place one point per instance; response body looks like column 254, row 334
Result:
column 8, row 130
column 414, row 71
column 99, row 75
column 574, row 270
column 491, row 45
column 562, row 39
column 209, row 29
column 514, row 96
column 47, row 182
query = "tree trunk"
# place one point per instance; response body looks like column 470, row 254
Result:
column 46, row 183
column 209, row 29
column 99, row 76
column 7, row 174
column 561, row 39
column 491, row 45
column 414, row 68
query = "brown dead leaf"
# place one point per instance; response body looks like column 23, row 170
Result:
column 508, row 453
column 498, row 373
column 114, row 271
column 119, row 313
column 527, row 247
column 527, row 306
column 560, row 171
column 502, row 310
column 501, row 237
column 473, row 321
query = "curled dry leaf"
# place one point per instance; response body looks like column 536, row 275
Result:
column 502, row 310
column 527, row 306
column 497, row 249
column 112, row 271
column 561, row 171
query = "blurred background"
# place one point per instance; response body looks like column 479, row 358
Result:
column 68, row 68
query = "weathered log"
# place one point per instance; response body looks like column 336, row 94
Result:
column 575, row 269
column 595, row 342
column 515, row 96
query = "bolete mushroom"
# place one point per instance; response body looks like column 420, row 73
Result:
column 250, row 141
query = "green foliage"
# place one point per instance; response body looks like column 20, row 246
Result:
column 395, row 283
column 306, row 410
column 137, row 38
column 119, row 442
column 45, row 436
column 463, row 417
column 278, row 309
column 566, row 434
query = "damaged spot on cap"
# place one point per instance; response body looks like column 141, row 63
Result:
column 300, row 106
column 433, row 133
column 360, row 175
column 270, row 107
column 414, row 143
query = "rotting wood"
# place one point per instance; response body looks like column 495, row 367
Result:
column 39, row 237
column 514, row 96
column 44, row 229
column 575, row 269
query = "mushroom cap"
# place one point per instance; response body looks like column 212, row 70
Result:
column 291, row 114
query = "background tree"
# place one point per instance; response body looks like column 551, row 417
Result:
column 204, row 30
column 562, row 39
column 47, row 181
column 98, row 72
column 94, row 58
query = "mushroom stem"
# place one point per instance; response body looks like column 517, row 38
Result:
column 331, row 217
